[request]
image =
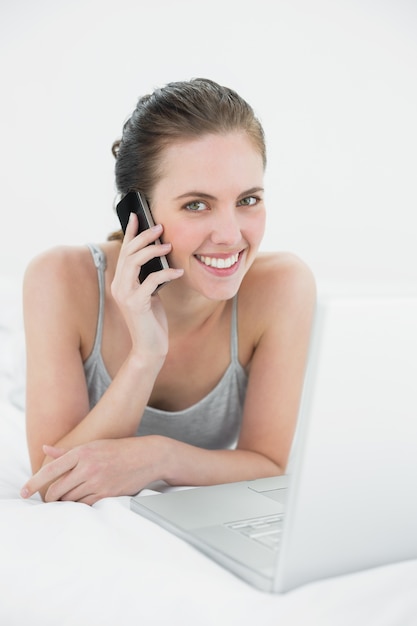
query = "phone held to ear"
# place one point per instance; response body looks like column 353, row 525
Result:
column 135, row 202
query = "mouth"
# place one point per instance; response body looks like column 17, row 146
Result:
column 219, row 262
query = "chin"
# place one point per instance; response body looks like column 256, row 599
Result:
column 218, row 292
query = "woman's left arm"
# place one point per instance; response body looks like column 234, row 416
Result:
column 281, row 297
column 279, row 362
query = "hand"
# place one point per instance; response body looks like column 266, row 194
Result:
column 96, row 470
column 143, row 311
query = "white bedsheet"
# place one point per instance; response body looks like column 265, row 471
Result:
column 69, row 564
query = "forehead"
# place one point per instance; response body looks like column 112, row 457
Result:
column 210, row 157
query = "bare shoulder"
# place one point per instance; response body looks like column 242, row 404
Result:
column 282, row 267
column 277, row 283
column 60, row 270
column 60, row 294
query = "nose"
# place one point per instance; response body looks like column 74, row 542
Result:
column 226, row 228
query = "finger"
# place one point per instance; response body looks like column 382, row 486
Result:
column 155, row 279
column 90, row 500
column 65, row 484
column 132, row 267
column 138, row 256
column 133, row 259
column 49, row 473
column 53, row 451
column 134, row 240
column 82, row 494
column 68, row 488
column 76, row 494
column 150, row 252
column 131, row 229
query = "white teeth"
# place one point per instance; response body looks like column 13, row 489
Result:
column 219, row 263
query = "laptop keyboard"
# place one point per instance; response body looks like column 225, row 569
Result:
column 266, row 530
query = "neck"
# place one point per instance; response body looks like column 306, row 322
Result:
column 188, row 310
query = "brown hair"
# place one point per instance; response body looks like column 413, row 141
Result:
column 178, row 111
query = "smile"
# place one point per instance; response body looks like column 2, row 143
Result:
column 219, row 263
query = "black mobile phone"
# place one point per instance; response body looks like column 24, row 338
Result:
column 135, row 202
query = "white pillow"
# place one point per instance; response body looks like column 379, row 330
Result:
column 12, row 344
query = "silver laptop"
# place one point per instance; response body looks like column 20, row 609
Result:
column 349, row 499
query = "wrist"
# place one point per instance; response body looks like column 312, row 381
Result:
column 144, row 364
column 164, row 457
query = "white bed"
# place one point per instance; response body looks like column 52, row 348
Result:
column 70, row 564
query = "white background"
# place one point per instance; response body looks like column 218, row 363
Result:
column 334, row 83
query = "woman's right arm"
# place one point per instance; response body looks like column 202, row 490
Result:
column 57, row 301
column 57, row 406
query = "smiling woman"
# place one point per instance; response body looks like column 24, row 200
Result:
column 201, row 382
column 206, row 201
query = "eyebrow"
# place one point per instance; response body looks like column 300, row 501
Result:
column 202, row 194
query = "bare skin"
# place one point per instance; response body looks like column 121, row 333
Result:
column 210, row 202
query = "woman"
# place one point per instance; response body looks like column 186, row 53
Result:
column 199, row 383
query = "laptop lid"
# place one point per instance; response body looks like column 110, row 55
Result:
column 352, row 500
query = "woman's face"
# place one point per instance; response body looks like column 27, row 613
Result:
column 210, row 202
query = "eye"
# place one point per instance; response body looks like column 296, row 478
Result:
column 248, row 201
column 196, row 206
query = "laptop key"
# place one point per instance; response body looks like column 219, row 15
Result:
column 265, row 530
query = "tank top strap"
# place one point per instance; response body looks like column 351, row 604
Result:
column 100, row 262
column 234, row 338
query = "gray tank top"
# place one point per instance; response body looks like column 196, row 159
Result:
column 212, row 423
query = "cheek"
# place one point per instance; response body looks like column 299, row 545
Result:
column 255, row 228
column 182, row 239
column 174, row 233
